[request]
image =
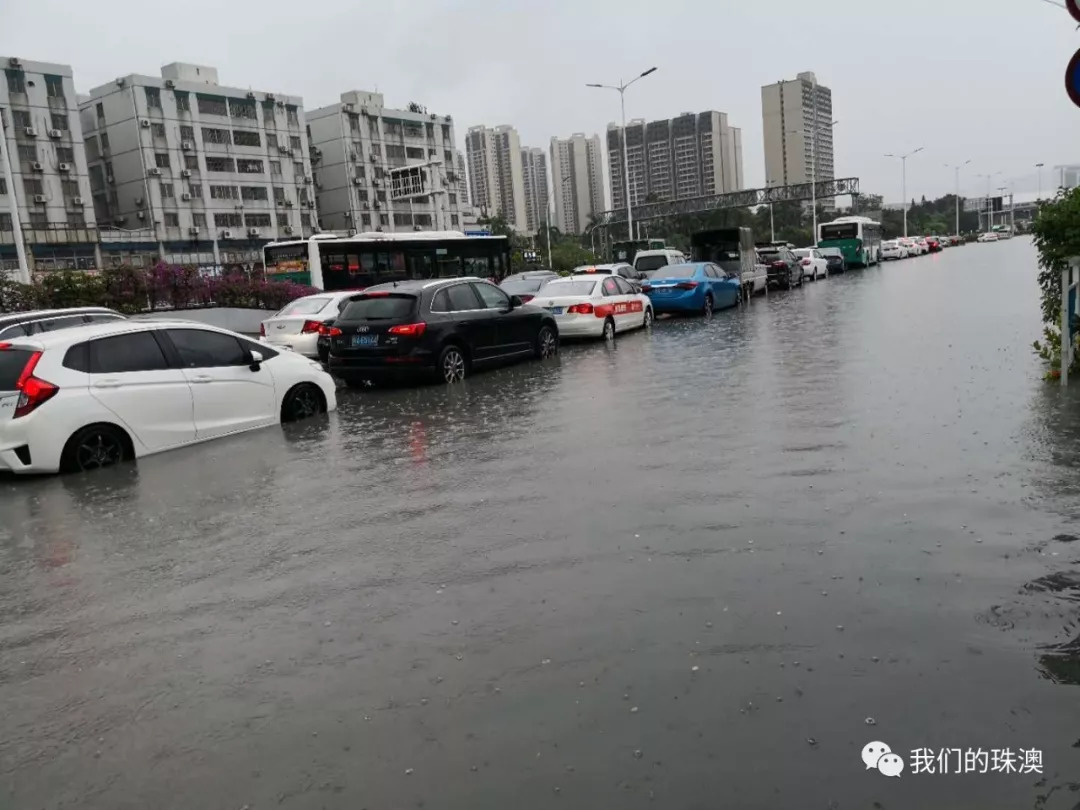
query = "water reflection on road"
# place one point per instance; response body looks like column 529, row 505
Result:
column 682, row 571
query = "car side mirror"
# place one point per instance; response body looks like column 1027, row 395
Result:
column 515, row 302
column 256, row 360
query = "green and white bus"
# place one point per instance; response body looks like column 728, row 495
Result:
column 859, row 239
column 331, row 262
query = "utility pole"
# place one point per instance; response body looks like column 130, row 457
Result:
column 13, row 204
column 903, row 179
column 1039, row 166
column 957, row 167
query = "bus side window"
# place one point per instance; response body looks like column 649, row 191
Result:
column 477, row 266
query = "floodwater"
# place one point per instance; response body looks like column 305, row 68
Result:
column 701, row 568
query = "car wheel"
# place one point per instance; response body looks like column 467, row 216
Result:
column 707, row 309
column 302, row 402
column 453, row 367
column 647, row 321
column 95, row 447
column 547, row 343
column 609, row 329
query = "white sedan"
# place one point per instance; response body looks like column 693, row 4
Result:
column 814, row 265
column 894, row 249
column 588, row 306
column 296, row 325
column 93, row 396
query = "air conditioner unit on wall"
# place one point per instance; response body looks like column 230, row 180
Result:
column 40, row 198
column 30, row 132
column 226, row 235
column 56, row 133
column 193, row 231
column 287, row 229
column 185, row 172
column 170, row 84
column 187, row 146
column 154, row 170
column 77, row 201
column 144, row 123
column 253, row 231
column 64, row 167
column 37, row 167
column 185, row 197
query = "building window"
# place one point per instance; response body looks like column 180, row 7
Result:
column 303, row 195
column 395, row 152
column 216, row 135
column 283, row 220
column 249, row 166
column 453, row 219
column 76, row 218
column 16, row 81
column 268, row 110
column 108, row 171
column 198, row 220
column 242, row 108
column 257, row 220
column 220, row 164
column 224, row 193
column 294, row 142
column 172, row 219
column 452, row 199
column 446, row 132
column 291, row 114
column 359, row 172
column 65, row 154
column 5, row 223
column 362, row 195
column 305, row 220
column 157, row 130
column 21, row 119
column 211, row 105
column 271, row 140
column 104, row 141
column 254, row 193
column 3, row 186
column 227, row 220
column 298, row 169
column 59, row 121
column 28, row 152
column 167, row 191
column 275, row 168
column 354, row 122
column 39, row 219
column 69, row 188
column 183, row 102
column 414, row 152
column 32, row 185
column 279, row 194
column 449, row 157
column 245, row 138
column 153, row 97
column 195, row 190
column 187, row 133
column 99, row 108
column 380, row 196
column 161, row 160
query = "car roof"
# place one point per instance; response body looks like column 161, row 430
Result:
column 77, row 334
column 8, row 318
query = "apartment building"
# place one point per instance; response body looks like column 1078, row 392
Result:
column 535, row 177
column 198, row 163
column 691, row 155
column 577, row 175
column 496, row 177
column 358, row 144
column 796, row 117
column 49, row 178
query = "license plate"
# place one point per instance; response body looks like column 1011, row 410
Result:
column 555, row 310
column 365, row 340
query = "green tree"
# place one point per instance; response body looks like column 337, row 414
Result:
column 1056, row 231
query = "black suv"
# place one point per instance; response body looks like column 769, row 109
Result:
column 784, row 268
column 442, row 328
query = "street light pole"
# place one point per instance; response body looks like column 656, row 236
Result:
column 1039, row 166
column 550, row 200
column 989, row 206
column 903, row 179
column 813, row 173
column 621, row 89
column 957, row 167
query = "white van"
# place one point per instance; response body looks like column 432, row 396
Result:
column 648, row 260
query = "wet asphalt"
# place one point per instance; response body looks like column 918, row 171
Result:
column 701, row 568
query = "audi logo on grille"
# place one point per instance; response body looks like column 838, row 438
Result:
column 363, row 329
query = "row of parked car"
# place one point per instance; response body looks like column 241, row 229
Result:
column 907, row 246
column 88, row 388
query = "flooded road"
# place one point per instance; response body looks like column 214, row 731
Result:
column 701, row 568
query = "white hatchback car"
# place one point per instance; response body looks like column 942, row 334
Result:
column 591, row 306
column 93, row 396
column 296, row 325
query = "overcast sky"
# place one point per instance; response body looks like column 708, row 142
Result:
column 978, row 79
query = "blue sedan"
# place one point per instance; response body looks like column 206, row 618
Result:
column 691, row 288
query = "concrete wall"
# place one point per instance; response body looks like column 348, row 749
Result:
column 246, row 321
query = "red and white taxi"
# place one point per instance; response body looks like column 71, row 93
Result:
column 594, row 306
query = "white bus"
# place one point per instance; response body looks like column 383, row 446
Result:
column 859, row 239
column 330, row 262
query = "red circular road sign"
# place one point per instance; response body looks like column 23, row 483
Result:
column 1074, row 8
column 1072, row 79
